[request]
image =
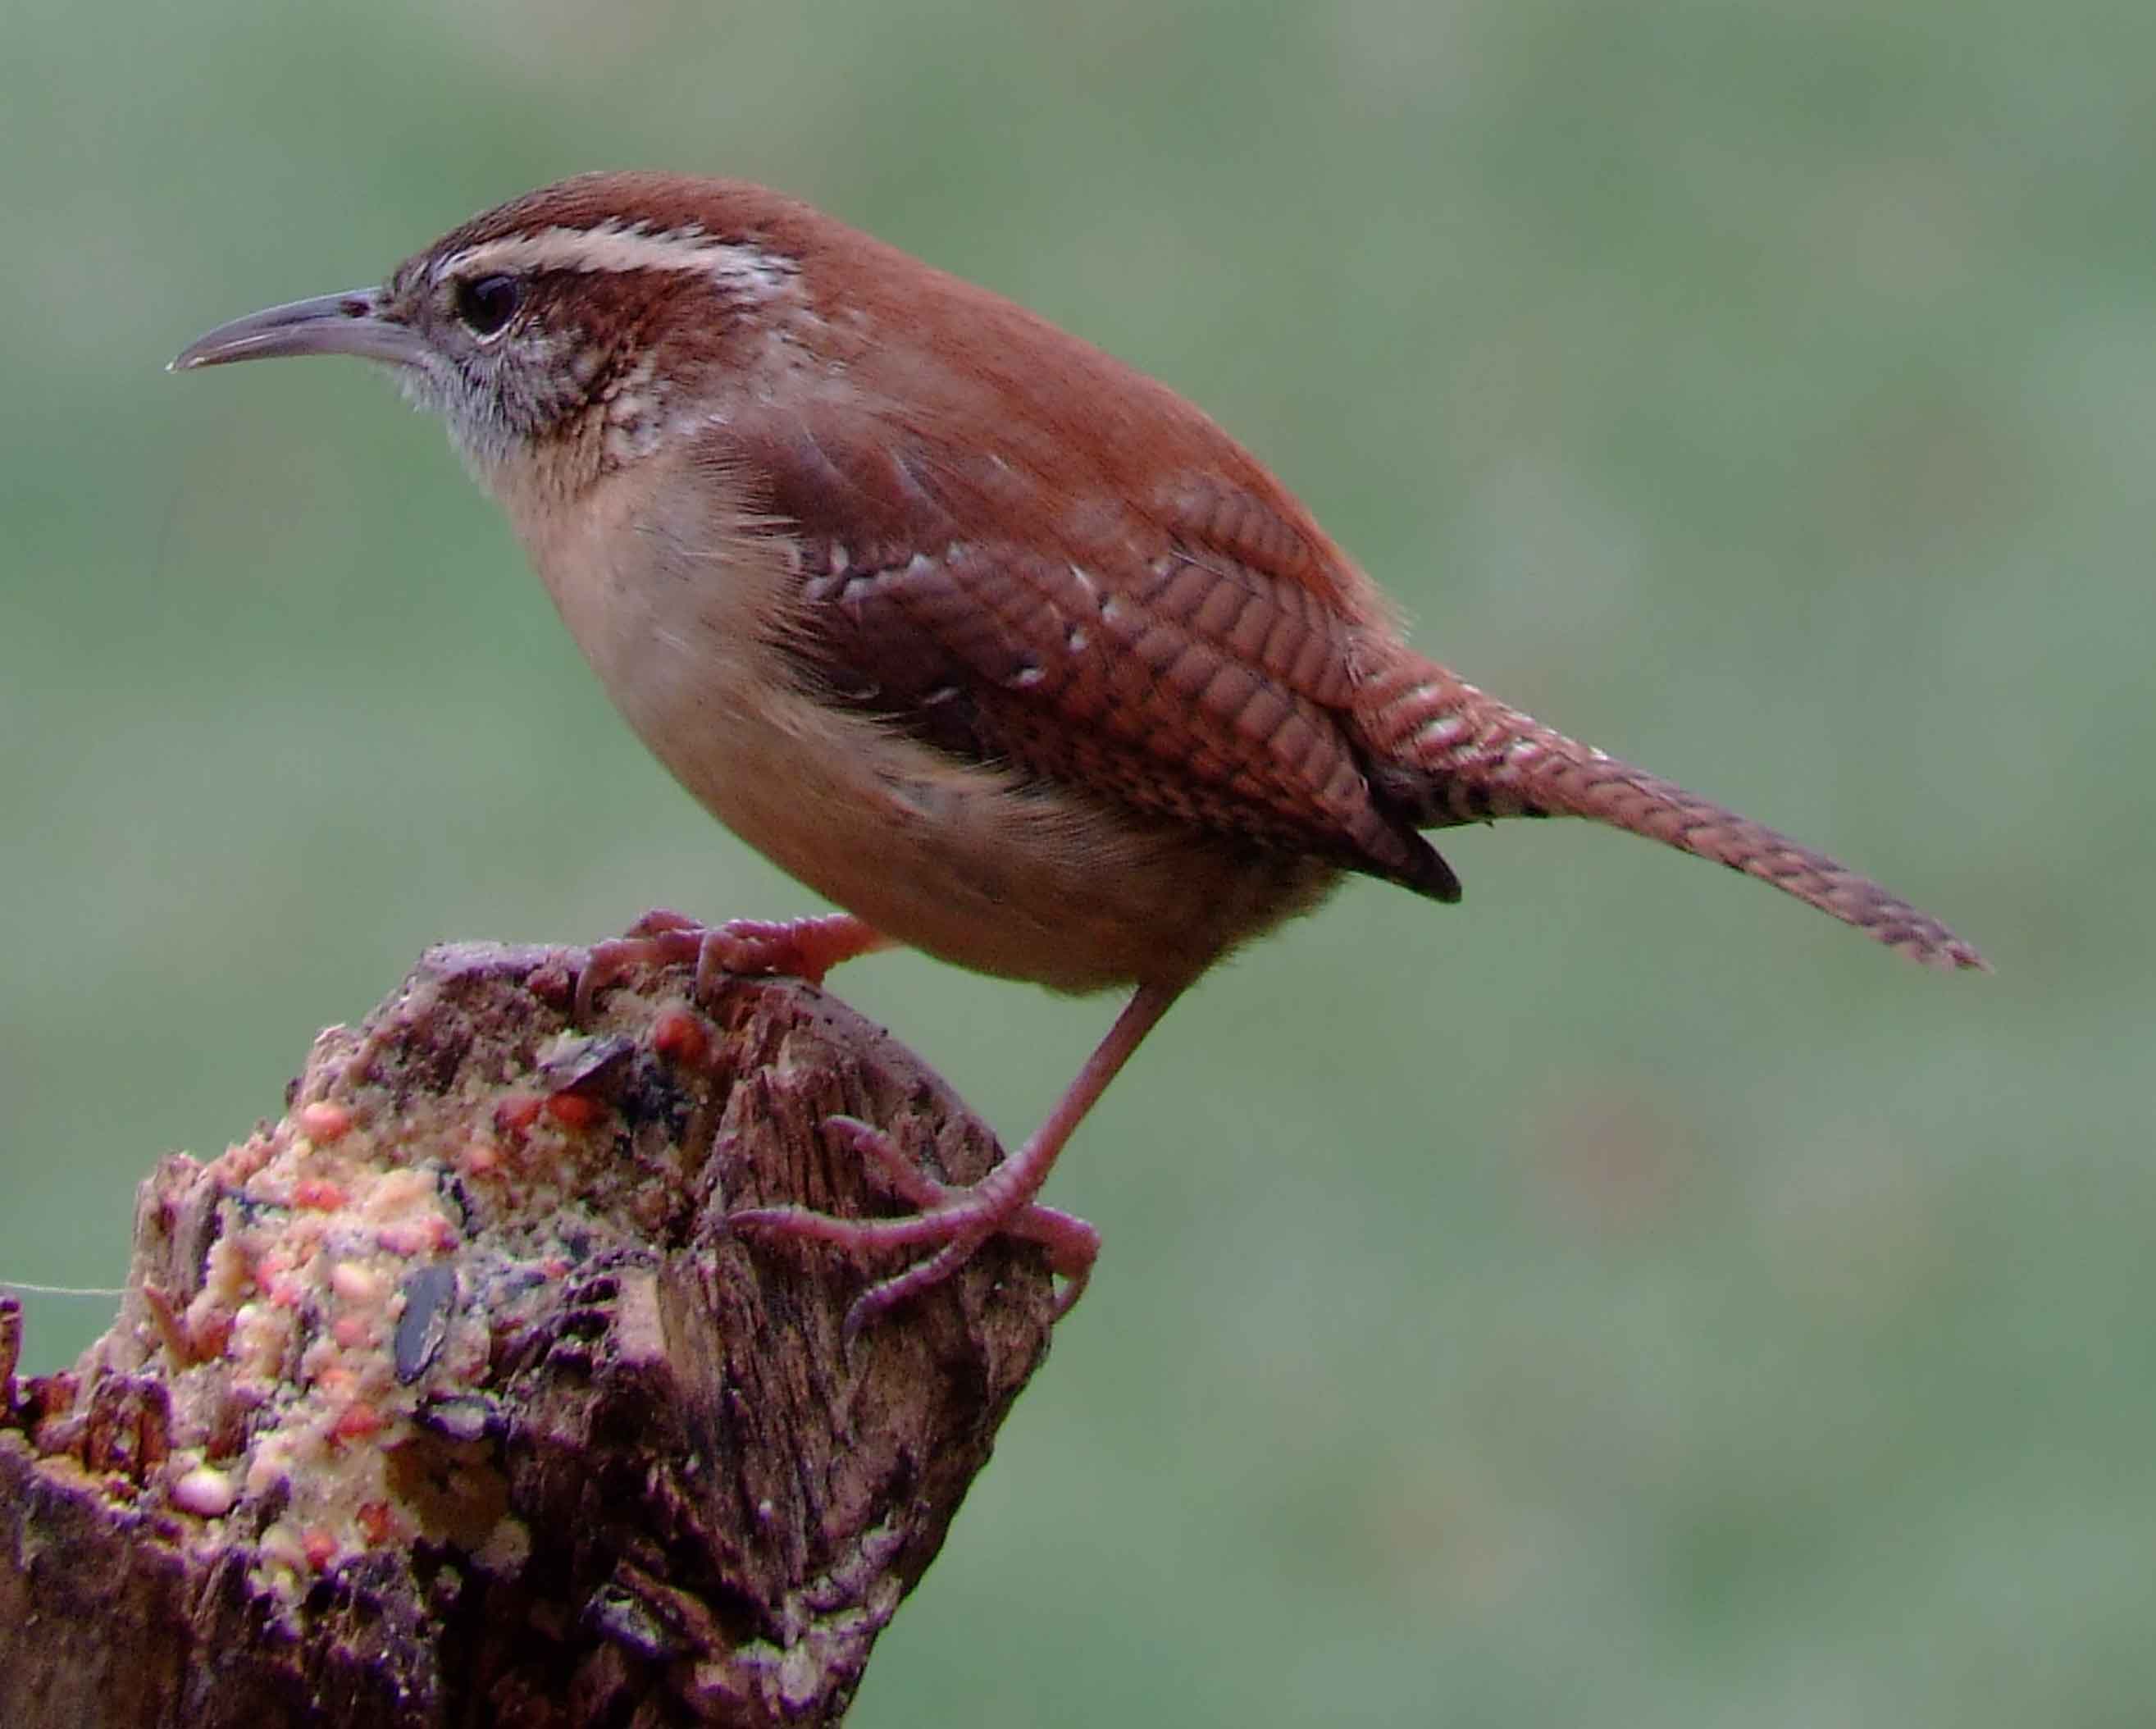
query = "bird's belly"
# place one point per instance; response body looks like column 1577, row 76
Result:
column 967, row 863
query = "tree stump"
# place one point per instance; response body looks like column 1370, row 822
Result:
column 448, row 1399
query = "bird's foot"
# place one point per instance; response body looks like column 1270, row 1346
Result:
column 798, row 948
column 951, row 1221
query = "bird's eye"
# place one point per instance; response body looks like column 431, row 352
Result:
column 485, row 304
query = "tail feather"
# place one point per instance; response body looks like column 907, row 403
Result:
column 1450, row 754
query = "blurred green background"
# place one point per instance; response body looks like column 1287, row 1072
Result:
column 1628, row 1299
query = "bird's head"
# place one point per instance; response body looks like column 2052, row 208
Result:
column 580, row 323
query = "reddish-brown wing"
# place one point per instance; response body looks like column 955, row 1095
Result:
column 1148, row 656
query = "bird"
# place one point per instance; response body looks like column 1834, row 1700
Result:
column 1001, row 646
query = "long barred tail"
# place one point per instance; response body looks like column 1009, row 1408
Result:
column 1453, row 755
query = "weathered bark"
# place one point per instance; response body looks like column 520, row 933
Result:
column 449, row 1399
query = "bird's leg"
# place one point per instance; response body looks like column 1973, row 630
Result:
column 799, row 948
column 953, row 1221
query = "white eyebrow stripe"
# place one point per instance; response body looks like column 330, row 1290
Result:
column 613, row 247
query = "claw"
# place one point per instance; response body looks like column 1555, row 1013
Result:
column 799, row 948
column 951, row 1220
column 923, row 1191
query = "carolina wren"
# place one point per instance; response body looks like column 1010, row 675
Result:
column 997, row 643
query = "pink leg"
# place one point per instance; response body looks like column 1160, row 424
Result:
column 799, row 948
column 951, row 1221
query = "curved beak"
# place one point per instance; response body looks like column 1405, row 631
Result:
column 356, row 322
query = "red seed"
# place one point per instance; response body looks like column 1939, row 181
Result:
column 320, row 1548
column 318, row 1192
column 679, row 1036
column 273, row 1278
column 357, row 1421
column 377, row 1523
column 573, row 1110
column 323, row 1123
